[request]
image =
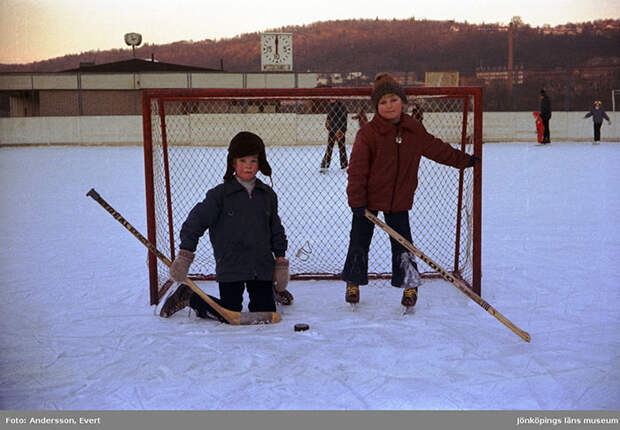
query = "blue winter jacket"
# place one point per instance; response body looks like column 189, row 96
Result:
column 246, row 232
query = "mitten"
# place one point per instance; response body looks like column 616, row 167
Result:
column 280, row 275
column 180, row 265
column 359, row 212
column 473, row 160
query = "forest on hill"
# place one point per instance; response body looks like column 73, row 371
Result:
column 370, row 45
column 407, row 45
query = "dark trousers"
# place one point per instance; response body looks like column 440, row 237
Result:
column 597, row 131
column 231, row 297
column 546, row 134
column 342, row 149
column 356, row 265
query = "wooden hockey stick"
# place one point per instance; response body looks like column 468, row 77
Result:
column 448, row 277
column 232, row 317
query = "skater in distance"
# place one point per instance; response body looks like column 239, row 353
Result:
column 336, row 125
column 248, row 239
column 598, row 114
column 545, row 115
column 383, row 176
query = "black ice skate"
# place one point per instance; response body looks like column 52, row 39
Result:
column 175, row 301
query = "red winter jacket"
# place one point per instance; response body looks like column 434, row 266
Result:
column 383, row 174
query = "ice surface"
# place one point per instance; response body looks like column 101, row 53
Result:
column 77, row 331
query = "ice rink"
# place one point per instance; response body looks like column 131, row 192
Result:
column 77, row 331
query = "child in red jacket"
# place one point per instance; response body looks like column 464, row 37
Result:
column 540, row 128
column 383, row 176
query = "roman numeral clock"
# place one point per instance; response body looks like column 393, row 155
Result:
column 276, row 52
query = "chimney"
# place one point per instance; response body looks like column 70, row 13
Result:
column 510, row 47
column 510, row 57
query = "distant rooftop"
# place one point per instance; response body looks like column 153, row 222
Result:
column 137, row 65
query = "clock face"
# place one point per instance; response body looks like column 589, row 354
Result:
column 133, row 39
column 277, row 51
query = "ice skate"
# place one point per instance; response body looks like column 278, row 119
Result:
column 409, row 299
column 283, row 297
column 352, row 295
column 175, row 301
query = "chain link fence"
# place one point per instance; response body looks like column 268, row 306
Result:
column 186, row 141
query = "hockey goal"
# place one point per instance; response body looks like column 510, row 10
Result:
column 186, row 135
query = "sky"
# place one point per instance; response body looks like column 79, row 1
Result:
column 33, row 30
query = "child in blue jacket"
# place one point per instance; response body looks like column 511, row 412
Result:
column 249, row 241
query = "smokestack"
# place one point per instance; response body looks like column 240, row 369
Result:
column 222, row 64
column 510, row 47
column 510, row 57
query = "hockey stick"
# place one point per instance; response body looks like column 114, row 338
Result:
column 448, row 277
column 232, row 317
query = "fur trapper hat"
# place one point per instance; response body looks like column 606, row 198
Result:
column 385, row 84
column 243, row 144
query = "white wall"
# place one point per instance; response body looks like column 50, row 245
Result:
column 127, row 130
column 521, row 126
column 141, row 80
column 84, row 130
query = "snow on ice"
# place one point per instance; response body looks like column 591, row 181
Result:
column 77, row 331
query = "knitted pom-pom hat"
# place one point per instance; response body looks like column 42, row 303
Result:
column 242, row 145
column 385, row 84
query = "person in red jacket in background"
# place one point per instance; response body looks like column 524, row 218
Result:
column 383, row 176
column 540, row 128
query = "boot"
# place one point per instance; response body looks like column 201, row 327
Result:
column 352, row 294
column 283, row 297
column 176, row 301
column 410, row 297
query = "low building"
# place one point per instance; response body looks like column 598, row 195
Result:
column 115, row 88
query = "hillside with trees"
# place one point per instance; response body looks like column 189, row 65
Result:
column 369, row 46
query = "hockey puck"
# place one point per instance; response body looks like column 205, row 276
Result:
column 301, row 327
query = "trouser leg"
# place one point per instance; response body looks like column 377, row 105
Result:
column 204, row 310
column 597, row 131
column 355, row 269
column 546, row 133
column 327, row 158
column 231, row 295
column 342, row 148
column 261, row 296
column 402, row 259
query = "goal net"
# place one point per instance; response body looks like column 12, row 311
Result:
column 186, row 136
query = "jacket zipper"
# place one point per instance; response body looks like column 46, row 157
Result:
column 398, row 140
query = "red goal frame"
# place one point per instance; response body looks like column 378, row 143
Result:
column 159, row 98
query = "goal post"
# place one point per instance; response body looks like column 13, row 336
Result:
column 186, row 136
